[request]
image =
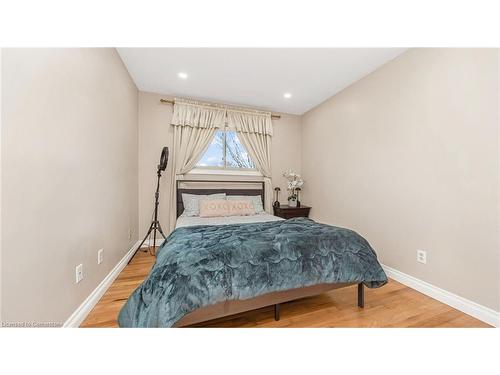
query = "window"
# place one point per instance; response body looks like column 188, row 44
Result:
column 226, row 152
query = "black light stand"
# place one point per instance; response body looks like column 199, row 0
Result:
column 155, row 224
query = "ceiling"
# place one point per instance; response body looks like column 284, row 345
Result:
column 257, row 77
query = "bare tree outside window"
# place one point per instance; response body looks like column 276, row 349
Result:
column 226, row 151
column 236, row 154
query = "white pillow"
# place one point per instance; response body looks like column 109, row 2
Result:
column 255, row 199
column 192, row 205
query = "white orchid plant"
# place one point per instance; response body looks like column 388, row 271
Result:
column 294, row 182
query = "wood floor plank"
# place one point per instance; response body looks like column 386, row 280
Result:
column 393, row 305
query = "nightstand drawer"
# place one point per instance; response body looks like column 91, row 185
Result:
column 287, row 212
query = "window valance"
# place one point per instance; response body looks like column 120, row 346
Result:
column 250, row 121
column 205, row 115
column 198, row 115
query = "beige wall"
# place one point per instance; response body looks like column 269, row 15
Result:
column 498, row 174
column 498, row 164
column 69, row 176
column 1, row 130
column 286, row 151
column 155, row 132
column 409, row 158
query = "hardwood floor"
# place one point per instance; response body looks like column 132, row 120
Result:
column 393, row 305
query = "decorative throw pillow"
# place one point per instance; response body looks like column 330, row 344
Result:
column 191, row 202
column 255, row 199
column 220, row 208
column 241, row 208
column 214, row 208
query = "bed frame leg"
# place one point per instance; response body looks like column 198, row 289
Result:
column 361, row 295
column 277, row 312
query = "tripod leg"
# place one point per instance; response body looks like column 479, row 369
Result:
column 151, row 228
column 144, row 240
column 154, row 238
column 161, row 231
column 155, row 225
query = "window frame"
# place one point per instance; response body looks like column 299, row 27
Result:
column 219, row 171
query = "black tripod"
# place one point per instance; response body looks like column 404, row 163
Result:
column 155, row 224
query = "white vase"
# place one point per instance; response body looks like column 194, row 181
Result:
column 292, row 203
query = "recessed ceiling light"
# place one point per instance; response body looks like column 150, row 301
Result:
column 287, row 95
column 182, row 75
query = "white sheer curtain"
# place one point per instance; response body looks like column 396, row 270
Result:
column 255, row 130
column 195, row 125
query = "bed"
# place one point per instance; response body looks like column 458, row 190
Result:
column 215, row 267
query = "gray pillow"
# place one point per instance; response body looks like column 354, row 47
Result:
column 255, row 199
column 191, row 202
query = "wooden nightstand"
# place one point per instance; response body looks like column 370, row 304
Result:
column 287, row 212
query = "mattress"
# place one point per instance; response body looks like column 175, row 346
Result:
column 187, row 221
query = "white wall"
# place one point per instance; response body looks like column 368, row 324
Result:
column 409, row 158
column 69, row 176
column 155, row 132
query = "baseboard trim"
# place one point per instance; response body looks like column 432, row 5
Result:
column 148, row 242
column 86, row 307
column 468, row 307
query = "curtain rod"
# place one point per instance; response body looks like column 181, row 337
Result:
column 172, row 102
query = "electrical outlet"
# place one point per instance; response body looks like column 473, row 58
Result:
column 129, row 233
column 79, row 273
column 100, row 256
column 422, row 256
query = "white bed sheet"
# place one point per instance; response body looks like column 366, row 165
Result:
column 188, row 221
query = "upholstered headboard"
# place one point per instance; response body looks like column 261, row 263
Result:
column 204, row 187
